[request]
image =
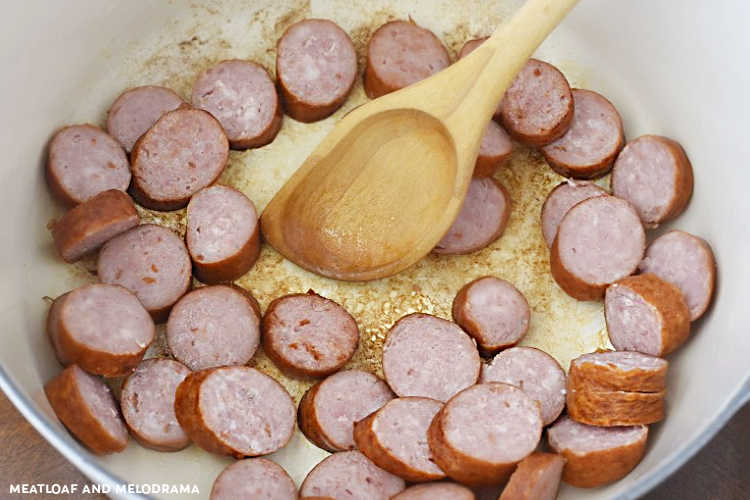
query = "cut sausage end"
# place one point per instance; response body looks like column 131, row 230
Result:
column 253, row 478
column 561, row 199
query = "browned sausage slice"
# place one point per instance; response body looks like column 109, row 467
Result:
column 222, row 235
column 241, row 95
column 644, row 313
column 84, row 161
column 136, row 111
column 687, row 262
column 495, row 148
column 619, row 371
column 235, row 410
column 84, row 404
column 537, row 477
column 614, row 408
column 349, row 475
column 560, row 200
column 185, row 151
column 600, row 240
column 213, row 326
column 430, row 357
column 147, row 401
column 401, row 53
column 590, row 145
column 309, row 335
column 469, row 47
column 492, row 311
column 89, row 225
column 596, row 455
column 102, row 328
column 482, row 219
column 395, row 438
column 253, row 478
column 316, row 66
column 654, row 174
column 436, row 491
column 534, row 371
column 151, row 261
column 464, row 434
column 328, row 410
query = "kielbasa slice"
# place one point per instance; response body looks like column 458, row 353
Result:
column 309, row 335
column 316, row 66
column 537, row 373
column 137, row 109
column 644, row 313
column 85, row 405
column 185, row 151
column 492, row 311
column 537, row 477
column 349, row 475
column 654, row 174
column 469, row 47
column 147, row 401
column 600, row 240
column 464, row 434
column 561, row 199
column 401, row 53
column 213, row 326
column 253, row 478
column 241, row 95
column 83, row 161
column 596, row 455
column 152, row 262
column 436, row 491
column 614, row 408
column 89, row 225
column 235, row 410
column 687, row 262
column 429, row 357
column 395, row 438
column 102, row 328
column 590, row 145
column 481, row 220
column 329, row 409
column 619, row 371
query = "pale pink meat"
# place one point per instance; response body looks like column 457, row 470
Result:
column 560, row 200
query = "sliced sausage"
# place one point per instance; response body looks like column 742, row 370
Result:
column 253, row 478
column 147, row 401
column 241, row 95
column 349, row 475
column 614, row 408
column 534, row 371
column 152, row 262
column 537, row 108
column 644, row 313
column 464, row 435
column 316, row 66
column 85, row 405
column 136, row 111
column 590, row 145
column 654, row 174
column 495, row 148
column 560, row 200
column 309, row 335
column 83, row 161
column 235, row 410
column 596, row 455
column 619, row 371
column 482, row 219
column 537, row 477
column 436, row 491
column 395, row 438
column 600, row 240
column 492, row 311
column 89, row 225
column 213, row 326
column 401, row 53
column 469, row 47
column 222, row 235
column 328, row 410
column 429, row 357
column 102, row 328
column 185, row 151
column 687, row 262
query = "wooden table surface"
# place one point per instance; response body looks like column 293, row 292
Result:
column 720, row 471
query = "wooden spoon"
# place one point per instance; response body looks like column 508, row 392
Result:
column 387, row 182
